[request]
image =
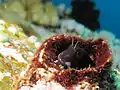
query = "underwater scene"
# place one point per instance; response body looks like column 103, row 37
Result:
column 59, row 45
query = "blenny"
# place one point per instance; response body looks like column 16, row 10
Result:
column 71, row 60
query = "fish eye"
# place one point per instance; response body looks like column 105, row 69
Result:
column 80, row 53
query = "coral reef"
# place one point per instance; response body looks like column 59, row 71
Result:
column 67, row 26
column 55, row 20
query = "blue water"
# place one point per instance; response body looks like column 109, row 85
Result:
column 110, row 13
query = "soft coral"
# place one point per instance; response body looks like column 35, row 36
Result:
column 83, row 11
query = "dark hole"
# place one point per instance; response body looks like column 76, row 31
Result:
column 75, row 57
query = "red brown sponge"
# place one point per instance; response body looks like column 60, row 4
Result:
column 71, row 60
